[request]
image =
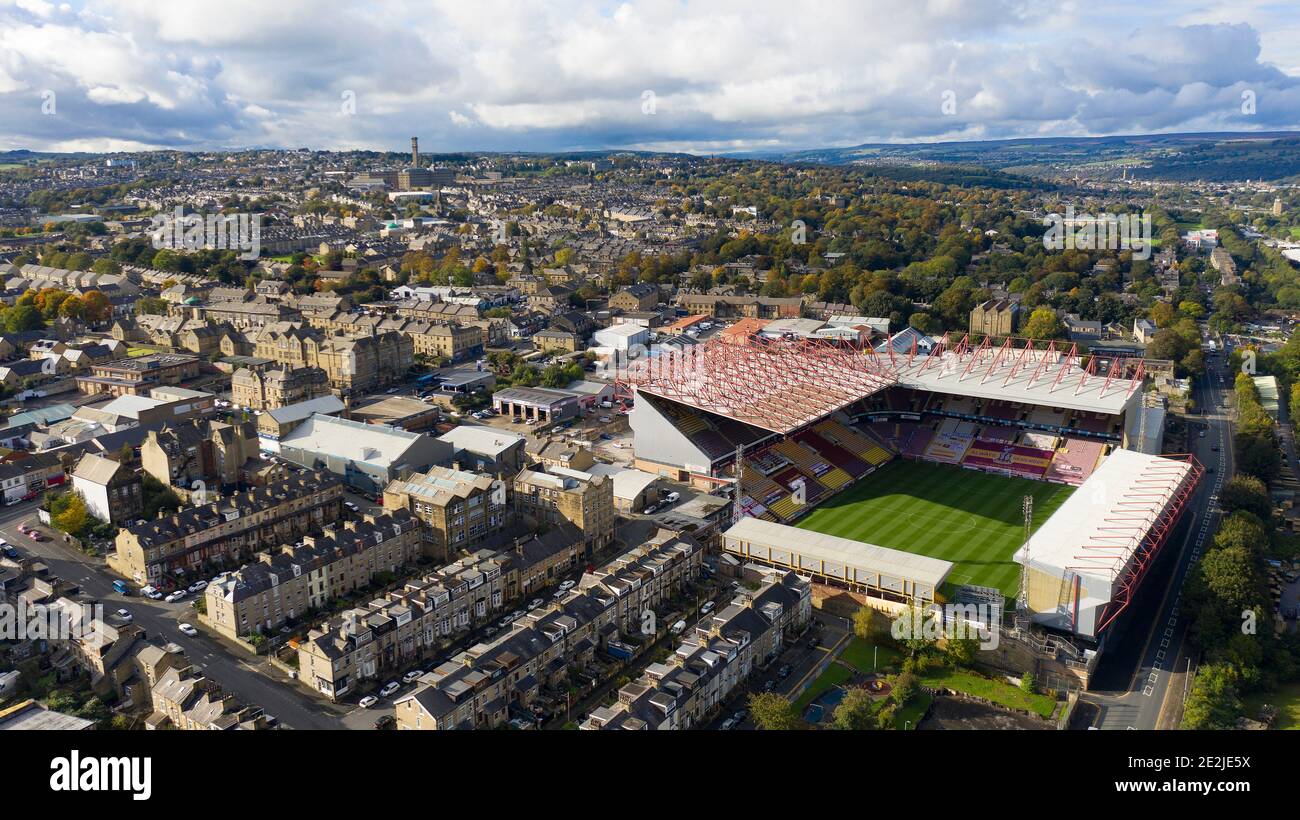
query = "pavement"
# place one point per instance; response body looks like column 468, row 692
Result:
column 1133, row 680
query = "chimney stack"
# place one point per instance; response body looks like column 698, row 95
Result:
column 415, row 152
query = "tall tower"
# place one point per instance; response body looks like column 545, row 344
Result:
column 1022, row 599
column 415, row 152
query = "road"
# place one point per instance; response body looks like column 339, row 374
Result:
column 1133, row 680
column 244, row 677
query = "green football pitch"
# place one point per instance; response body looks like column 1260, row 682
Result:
column 971, row 518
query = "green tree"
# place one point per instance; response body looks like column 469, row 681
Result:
column 856, row 712
column 1213, row 702
column 74, row 518
column 1043, row 324
column 773, row 712
column 1245, row 492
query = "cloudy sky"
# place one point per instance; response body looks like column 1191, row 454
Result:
column 719, row 75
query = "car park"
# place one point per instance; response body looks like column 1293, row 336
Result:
column 368, row 701
column 188, row 629
column 390, row 688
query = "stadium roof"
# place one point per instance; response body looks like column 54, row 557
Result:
column 1020, row 371
column 778, row 385
column 833, row 549
column 784, row 384
column 1110, row 528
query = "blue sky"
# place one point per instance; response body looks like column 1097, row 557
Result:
column 653, row 74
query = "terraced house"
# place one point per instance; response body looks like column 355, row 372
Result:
column 402, row 627
column 170, row 551
column 297, row 579
column 483, row 686
column 719, row 652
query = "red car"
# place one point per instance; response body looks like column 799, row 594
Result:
column 35, row 535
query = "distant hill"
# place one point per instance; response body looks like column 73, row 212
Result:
column 1218, row 157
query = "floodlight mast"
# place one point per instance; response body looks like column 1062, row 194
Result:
column 1022, row 601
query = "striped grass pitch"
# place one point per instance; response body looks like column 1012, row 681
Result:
column 971, row 518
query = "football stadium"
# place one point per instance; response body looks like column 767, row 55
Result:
column 903, row 475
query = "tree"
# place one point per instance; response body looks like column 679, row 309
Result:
column 22, row 317
column 96, row 306
column 74, row 517
column 905, row 688
column 856, row 712
column 868, row 624
column 773, row 712
column 1245, row 492
column 961, row 651
column 1043, row 324
column 1213, row 702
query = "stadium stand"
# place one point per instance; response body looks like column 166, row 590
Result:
column 1002, row 457
column 951, row 442
column 1075, row 461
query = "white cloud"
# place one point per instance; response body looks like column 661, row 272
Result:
column 520, row 74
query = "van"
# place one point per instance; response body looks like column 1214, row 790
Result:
column 121, row 588
column 678, row 628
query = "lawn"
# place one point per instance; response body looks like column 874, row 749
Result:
column 971, row 518
column 999, row 692
column 858, row 654
column 835, row 675
column 907, row 717
column 1287, row 701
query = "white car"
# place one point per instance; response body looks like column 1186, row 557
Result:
column 178, row 595
column 125, row 615
column 188, row 629
column 728, row 724
column 568, row 584
column 559, row 593
column 535, row 603
column 389, row 688
column 368, row 701
column 516, row 615
column 198, row 586
column 411, row 676
column 151, row 593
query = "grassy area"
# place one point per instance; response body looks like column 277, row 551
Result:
column 859, row 653
column 910, row 715
column 1286, row 700
column 999, row 692
column 971, row 518
column 835, row 675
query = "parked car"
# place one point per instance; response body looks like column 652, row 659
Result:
column 651, row 509
column 386, row 722
column 728, row 725
column 535, row 603
column 783, row 672
column 411, row 676
column 353, row 507
column 678, row 628
column 198, row 586
column 125, row 615
column 570, row 584
column 769, row 685
column 504, row 622
column 9, row 551
column 368, row 701
column 175, row 596
column 672, row 497
column 188, row 629
column 151, row 593
column 389, row 688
